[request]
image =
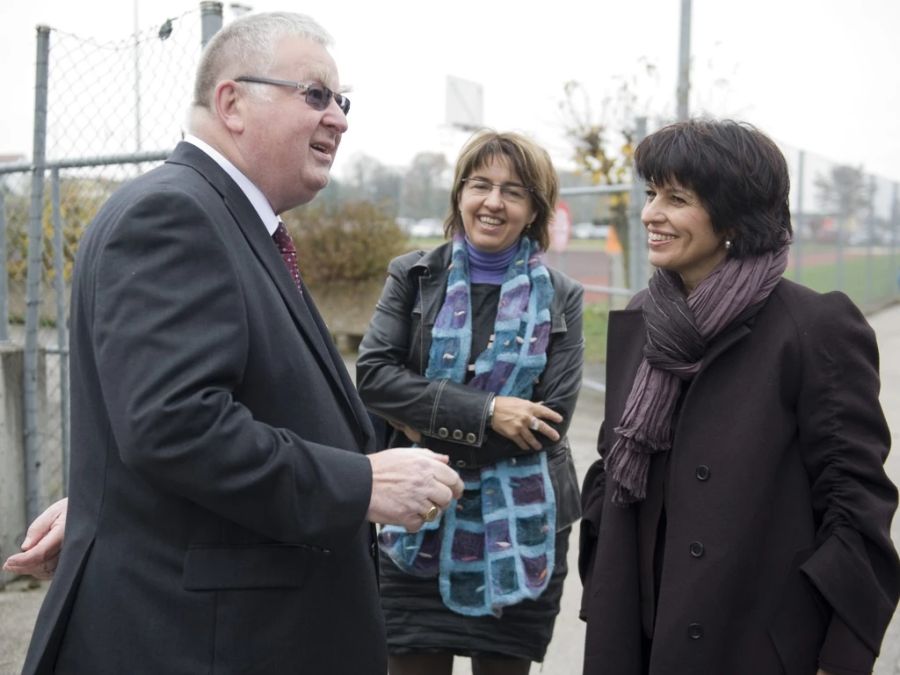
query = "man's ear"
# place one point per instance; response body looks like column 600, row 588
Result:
column 230, row 104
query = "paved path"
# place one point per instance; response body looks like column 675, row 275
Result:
column 18, row 604
column 887, row 327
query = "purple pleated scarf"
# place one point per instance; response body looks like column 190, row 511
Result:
column 678, row 331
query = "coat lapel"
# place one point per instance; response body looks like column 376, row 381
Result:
column 433, row 281
column 364, row 423
column 722, row 343
column 304, row 313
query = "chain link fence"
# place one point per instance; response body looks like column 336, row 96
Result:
column 105, row 112
column 846, row 229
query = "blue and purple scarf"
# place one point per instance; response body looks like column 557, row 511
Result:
column 494, row 547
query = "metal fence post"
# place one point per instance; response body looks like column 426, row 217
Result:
column 839, row 253
column 211, row 20
column 62, row 332
column 637, row 256
column 4, row 274
column 33, row 279
column 800, row 218
column 682, row 93
column 895, row 233
column 870, row 242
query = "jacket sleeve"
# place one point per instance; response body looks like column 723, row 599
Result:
column 171, row 342
column 845, row 441
column 393, row 389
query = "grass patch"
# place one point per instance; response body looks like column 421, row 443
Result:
column 869, row 281
column 596, row 318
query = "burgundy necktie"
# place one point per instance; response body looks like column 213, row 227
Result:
column 288, row 253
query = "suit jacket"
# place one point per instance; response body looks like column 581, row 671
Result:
column 218, row 483
column 774, row 554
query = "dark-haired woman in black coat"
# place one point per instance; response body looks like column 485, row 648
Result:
column 738, row 519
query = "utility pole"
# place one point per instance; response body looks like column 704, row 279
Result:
column 684, row 62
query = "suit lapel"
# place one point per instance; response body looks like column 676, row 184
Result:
column 304, row 314
column 364, row 423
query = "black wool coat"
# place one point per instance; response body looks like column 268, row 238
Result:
column 763, row 546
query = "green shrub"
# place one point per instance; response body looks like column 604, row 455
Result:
column 347, row 242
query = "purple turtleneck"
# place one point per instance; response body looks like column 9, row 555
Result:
column 489, row 268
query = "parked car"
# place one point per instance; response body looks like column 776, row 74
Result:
column 589, row 230
column 427, row 227
column 867, row 237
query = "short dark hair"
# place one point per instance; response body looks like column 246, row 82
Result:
column 530, row 162
column 738, row 173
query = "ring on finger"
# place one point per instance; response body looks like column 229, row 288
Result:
column 534, row 424
column 431, row 513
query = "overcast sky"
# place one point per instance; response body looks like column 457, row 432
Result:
column 815, row 74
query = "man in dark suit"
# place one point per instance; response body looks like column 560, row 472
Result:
column 221, row 498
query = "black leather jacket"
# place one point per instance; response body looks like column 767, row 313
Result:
column 452, row 417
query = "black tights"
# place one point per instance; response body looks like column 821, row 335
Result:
column 441, row 663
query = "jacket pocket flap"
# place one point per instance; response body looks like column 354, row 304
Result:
column 558, row 323
column 565, row 484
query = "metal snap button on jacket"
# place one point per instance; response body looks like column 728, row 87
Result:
column 702, row 472
column 695, row 631
column 457, row 434
column 697, row 549
column 471, row 438
column 443, row 433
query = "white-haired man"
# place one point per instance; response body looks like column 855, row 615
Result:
column 221, row 498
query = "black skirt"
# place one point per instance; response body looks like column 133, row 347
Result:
column 418, row 621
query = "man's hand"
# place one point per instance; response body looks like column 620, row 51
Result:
column 407, row 482
column 42, row 544
column 519, row 420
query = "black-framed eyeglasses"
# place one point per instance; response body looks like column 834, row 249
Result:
column 318, row 96
column 509, row 192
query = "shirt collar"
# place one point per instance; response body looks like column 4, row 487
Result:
column 253, row 193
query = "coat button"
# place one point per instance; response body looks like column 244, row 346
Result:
column 697, row 549
column 443, row 433
column 471, row 438
column 695, row 631
column 702, row 472
column 457, row 434
column 460, row 462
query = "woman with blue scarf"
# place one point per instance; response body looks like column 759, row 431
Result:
column 475, row 351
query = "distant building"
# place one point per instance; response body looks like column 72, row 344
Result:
column 11, row 159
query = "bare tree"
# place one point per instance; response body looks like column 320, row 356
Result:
column 846, row 192
column 602, row 150
column 424, row 192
